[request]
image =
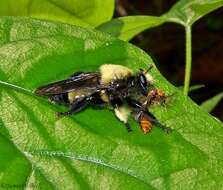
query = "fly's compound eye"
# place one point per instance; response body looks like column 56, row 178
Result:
column 143, row 84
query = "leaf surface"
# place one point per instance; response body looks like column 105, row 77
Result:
column 92, row 150
column 77, row 12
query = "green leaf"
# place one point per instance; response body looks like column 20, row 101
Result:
column 126, row 28
column 196, row 87
column 92, row 150
column 187, row 12
column 82, row 13
column 184, row 12
column 210, row 104
column 193, row 87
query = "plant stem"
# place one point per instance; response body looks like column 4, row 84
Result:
column 188, row 60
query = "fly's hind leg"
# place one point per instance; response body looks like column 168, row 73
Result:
column 121, row 112
column 75, row 107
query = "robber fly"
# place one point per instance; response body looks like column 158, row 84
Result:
column 113, row 85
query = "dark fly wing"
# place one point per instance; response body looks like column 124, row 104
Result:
column 90, row 80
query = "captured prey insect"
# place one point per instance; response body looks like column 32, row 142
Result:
column 113, row 86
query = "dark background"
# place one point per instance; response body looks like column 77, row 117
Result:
column 166, row 44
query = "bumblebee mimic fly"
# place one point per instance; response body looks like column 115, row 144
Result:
column 113, row 86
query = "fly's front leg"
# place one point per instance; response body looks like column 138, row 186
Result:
column 157, row 96
column 77, row 106
column 144, row 117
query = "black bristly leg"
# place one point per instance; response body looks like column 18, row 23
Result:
column 75, row 107
column 135, row 105
column 128, row 127
column 139, row 110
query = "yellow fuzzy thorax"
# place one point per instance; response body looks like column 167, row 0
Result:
column 111, row 72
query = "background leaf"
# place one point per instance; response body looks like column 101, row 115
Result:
column 183, row 12
column 210, row 104
column 196, row 87
column 92, row 150
column 127, row 27
column 81, row 13
column 193, row 87
column 187, row 12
